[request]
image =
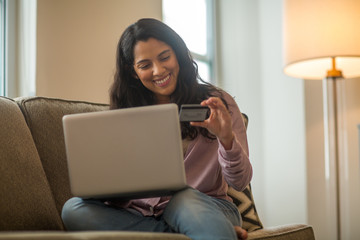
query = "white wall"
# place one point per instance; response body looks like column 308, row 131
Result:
column 284, row 125
column 76, row 44
column 240, row 75
column 251, row 70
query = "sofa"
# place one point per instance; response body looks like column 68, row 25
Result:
column 34, row 178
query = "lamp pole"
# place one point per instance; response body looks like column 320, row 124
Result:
column 331, row 130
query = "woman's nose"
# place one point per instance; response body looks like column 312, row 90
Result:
column 158, row 69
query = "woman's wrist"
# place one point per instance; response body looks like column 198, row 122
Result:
column 227, row 142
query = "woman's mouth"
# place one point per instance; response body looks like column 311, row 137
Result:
column 162, row 82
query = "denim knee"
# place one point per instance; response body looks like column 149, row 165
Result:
column 196, row 215
column 68, row 213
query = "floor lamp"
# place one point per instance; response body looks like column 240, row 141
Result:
column 322, row 41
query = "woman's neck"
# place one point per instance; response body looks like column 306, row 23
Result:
column 163, row 100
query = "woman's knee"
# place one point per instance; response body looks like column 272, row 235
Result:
column 70, row 205
column 195, row 214
column 69, row 210
column 76, row 210
column 190, row 196
column 189, row 204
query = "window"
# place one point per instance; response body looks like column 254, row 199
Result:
column 17, row 41
column 2, row 46
column 193, row 20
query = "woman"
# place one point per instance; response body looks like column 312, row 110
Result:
column 154, row 66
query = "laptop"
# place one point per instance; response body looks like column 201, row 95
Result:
column 125, row 153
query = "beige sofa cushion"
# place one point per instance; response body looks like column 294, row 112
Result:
column 44, row 118
column 26, row 202
column 284, row 232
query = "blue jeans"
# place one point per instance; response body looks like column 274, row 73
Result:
column 189, row 212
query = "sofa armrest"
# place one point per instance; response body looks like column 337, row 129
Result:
column 284, row 232
column 90, row 235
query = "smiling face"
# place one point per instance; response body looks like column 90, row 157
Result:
column 156, row 66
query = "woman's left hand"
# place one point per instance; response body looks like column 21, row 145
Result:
column 219, row 122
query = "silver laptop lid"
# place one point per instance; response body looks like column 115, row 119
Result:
column 133, row 152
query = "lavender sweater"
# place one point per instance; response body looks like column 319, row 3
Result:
column 209, row 167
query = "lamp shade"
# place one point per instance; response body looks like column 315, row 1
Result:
column 315, row 32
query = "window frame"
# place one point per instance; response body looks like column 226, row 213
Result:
column 210, row 57
column 3, row 47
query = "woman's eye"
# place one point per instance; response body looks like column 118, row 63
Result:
column 144, row 66
column 164, row 58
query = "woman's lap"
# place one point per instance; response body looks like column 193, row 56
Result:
column 189, row 212
column 79, row 214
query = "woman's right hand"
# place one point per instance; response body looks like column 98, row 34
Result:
column 219, row 122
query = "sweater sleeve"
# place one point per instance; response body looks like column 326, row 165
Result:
column 235, row 163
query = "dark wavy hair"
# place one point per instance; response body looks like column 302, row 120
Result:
column 127, row 91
